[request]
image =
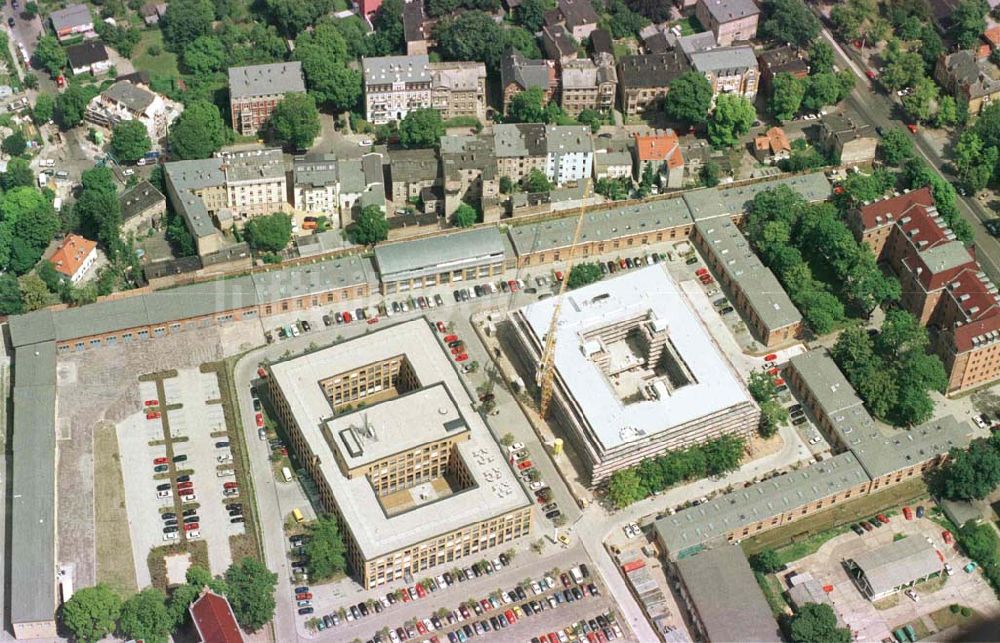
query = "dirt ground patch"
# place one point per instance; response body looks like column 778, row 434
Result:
column 114, row 545
column 157, row 562
column 177, row 566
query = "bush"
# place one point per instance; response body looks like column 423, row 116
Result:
column 955, row 608
column 154, row 50
column 966, row 612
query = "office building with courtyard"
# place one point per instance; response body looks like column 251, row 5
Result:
column 636, row 372
column 391, row 437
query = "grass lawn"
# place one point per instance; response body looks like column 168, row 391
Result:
column 944, row 618
column 162, row 65
column 115, row 567
column 689, row 25
column 887, row 602
column 771, row 587
column 809, row 530
column 931, row 585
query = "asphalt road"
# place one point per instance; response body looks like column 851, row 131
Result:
column 878, row 109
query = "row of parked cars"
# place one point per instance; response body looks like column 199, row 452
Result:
column 525, row 470
column 599, row 629
column 484, row 290
column 498, row 611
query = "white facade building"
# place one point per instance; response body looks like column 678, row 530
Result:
column 569, row 153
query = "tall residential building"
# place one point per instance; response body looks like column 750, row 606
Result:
column 396, row 85
column 730, row 70
column 644, row 80
column 587, row 85
column 335, row 188
column 127, row 101
column 518, row 74
column 254, row 92
column 564, row 153
column 729, row 20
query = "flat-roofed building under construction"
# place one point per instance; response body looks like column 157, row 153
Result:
column 390, row 436
column 636, row 372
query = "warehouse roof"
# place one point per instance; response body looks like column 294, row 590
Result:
column 760, row 287
column 828, row 386
column 266, row 80
column 430, row 256
column 726, row 596
column 710, row 522
column 723, row 201
column 898, row 563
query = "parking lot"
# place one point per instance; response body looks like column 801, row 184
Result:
column 173, row 488
column 871, row 624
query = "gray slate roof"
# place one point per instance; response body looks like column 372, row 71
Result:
column 315, row 171
column 392, row 69
column 138, row 199
column 266, row 80
column 898, row 563
column 423, row 257
column 75, row 15
column 728, row 10
column 137, row 99
column 723, row 201
column 527, row 73
column 726, row 596
column 724, row 61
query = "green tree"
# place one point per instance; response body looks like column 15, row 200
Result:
column 15, row 144
column 100, row 217
column 70, row 106
column 18, row 174
column 980, row 542
column 896, row 146
column 44, row 109
column 145, row 616
column 205, row 55
column 251, row 593
column 591, row 118
column 530, row 14
column 119, row 36
column 472, row 35
column 465, row 215
column 523, row 41
column 421, row 128
column 772, row 415
column 371, row 226
column 820, row 58
column 969, row 474
column 766, row 561
column 91, row 613
column 787, row 93
column 710, row 173
column 722, row 454
column 198, row 132
column 295, row 121
column 10, row 301
column 294, row 16
column 731, row 119
column 822, row 90
column 582, row 274
column 130, row 141
column 536, row 182
column 325, row 550
column 974, row 162
column 947, row 111
column 180, row 239
column 49, row 55
column 185, row 21
column 968, row 22
column 919, row 104
column 689, row 98
column 270, row 233
column 789, row 21
column 388, row 23
column 815, row 622
column 527, row 107
column 324, row 55
column 625, row 487
column 902, row 69
column 34, row 293
column 761, row 386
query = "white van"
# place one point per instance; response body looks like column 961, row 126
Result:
column 286, row 473
column 577, row 576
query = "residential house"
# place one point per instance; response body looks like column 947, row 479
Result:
column 587, row 85
column 644, row 80
column 410, row 172
column 470, row 174
column 72, row 22
column 88, row 58
column 602, row 47
column 74, row 257
column 558, row 43
column 781, row 60
column 152, row 13
column 214, row 620
column 518, row 74
column 656, row 41
column 415, row 32
column 851, row 141
column 613, row 160
column 316, row 185
column 255, row 91
column 772, row 146
column 569, row 153
column 578, row 16
column 963, row 76
column 692, row 43
column 127, row 101
column 730, row 70
column 143, row 207
column 729, row 20
column 661, row 150
column 519, row 149
column 396, row 85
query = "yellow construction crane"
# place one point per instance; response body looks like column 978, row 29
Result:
column 546, row 369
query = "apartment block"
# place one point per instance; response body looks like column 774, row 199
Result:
column 128, row 101
column 255, row 91
column 729, row 20
column 396, row 85
column 730, row 70
column 518, row 74
column 587, row 85
column 644, row 80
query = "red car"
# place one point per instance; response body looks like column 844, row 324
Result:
column 871, row 74
column 458, row 350
column 372, row 320
column 701, row 271
column 621, row 262
column 261, row 372
column 524, row 464
column 779, row 382
column 907, row 513
column 513, row 286
column 191, row 526
column 706, row 279
column 770, row 357
column 486, row 605
column 259, row 418
column 185, row 485
column 421, row 592
column 947, row 536
column 306, row 596
column 553, row 638
column 421, row 627
column 461, row 358
column 160, row 461
column 912, row 127
column 773, row 372
column 510, row 617
column 882, row 519
column 559, row 275
column 347, row 318
column 450, row 338
column 151, row 402
column 441, row 327
column 153, row 415
column 231, row 485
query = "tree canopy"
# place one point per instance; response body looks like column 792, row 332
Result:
column 91, row 613
column 325, row 550
column 371, row 226
column 71, row 106
column 145, row 616
column 323, row 52
column 270, row 233
column 295, row 121
column 582, row 274
column 185, row 21
column 130, row 141
column 251, row 593
column 421, row 128
column 815, row 622
column 50, row 55
column 294, row 16
column 789, row 21
column 198, row 132
column 472, row 35
column 731, row 119
column 971, row 473
column 465, row 215
column 536, row 182
column 689, row 98
column 787, row 92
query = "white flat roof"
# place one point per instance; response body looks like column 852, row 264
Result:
column 651, row 289
column 496, row 491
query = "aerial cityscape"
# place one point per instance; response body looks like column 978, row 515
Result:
column 517, row 320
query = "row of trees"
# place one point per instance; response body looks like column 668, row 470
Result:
column 790, row 95
column 772, row 413
column 891, row 370
column 93, row 613
column 690, row 99
column 653, row 475
column 799, row 241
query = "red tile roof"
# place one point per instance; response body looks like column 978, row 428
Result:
column 213, row 618
column 72, row 254
column 660, row 147
column 896, row 206
column 992, row 36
